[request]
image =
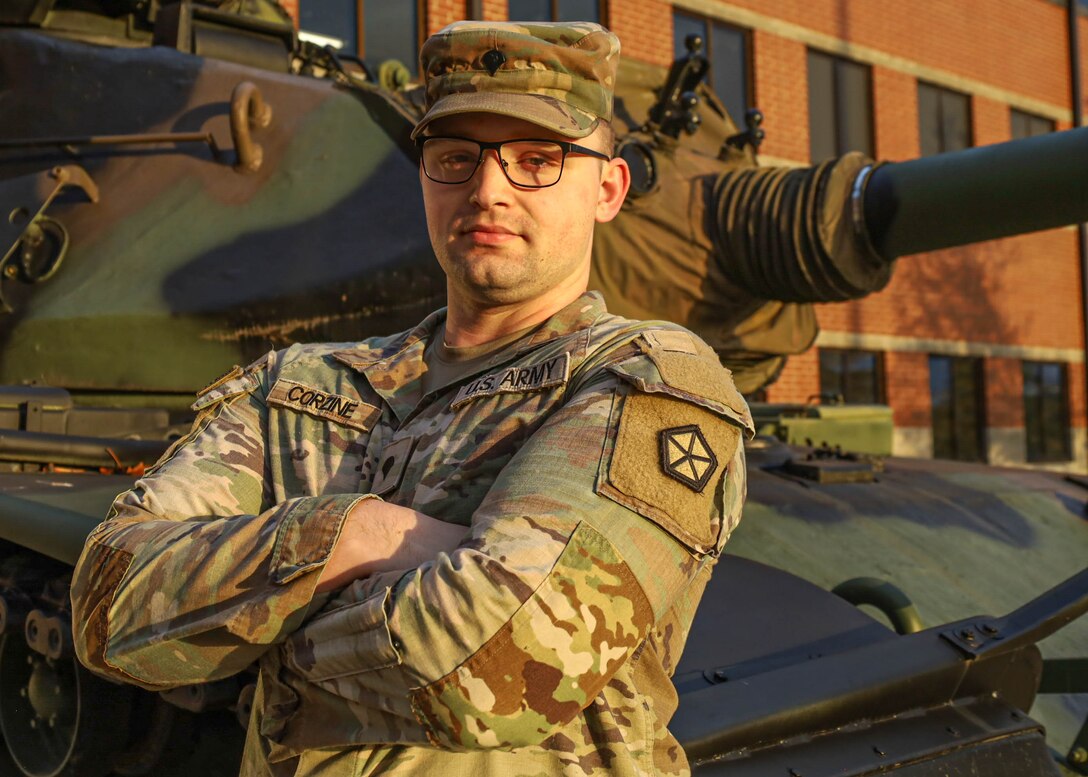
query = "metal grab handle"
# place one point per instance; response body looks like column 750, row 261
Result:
column 248, row 111
column 887, row 598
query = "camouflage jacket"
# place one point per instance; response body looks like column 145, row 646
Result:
column 599, row 472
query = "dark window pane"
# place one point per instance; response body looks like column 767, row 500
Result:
column 331, row 18
column 940, row 391
column 955, row 121
column 853, row 104
column 929, row 119
column 529, row 10
column 729, row 68
column 1019, row 125
column 862, row 378
column 1028, row 125
column 823, row 141
column 944, row 119
column 1046, row 412
column 955, row 386
column 578, row 11
column 684, row 25
column 831, row 379
column 967, row 410
column 392, row 31
column 856, row 376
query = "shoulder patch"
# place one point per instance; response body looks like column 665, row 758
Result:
column 517, row 379
column 687, row 456
column 668, row 458
column 346, row 411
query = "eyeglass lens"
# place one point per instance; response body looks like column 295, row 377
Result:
column 531, row 163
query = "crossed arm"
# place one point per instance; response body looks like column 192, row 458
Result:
column 381, row 537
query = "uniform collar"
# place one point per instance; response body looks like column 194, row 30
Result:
column 579, row 315
column 394, row 365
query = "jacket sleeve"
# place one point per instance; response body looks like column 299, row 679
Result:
column 581, row 545
column 194, row 574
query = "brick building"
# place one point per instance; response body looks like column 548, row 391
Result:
column 979, row 351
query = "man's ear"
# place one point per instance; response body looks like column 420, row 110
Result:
column 615, row 181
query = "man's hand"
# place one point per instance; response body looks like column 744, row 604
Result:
column 380, row 537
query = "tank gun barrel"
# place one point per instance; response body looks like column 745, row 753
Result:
column 830, row 232
column 977, row 194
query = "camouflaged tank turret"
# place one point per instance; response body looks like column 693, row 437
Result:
column 189, row 185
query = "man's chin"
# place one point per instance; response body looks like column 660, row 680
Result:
column 491, row 290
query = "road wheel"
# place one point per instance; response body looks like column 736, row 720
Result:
column 57, row 719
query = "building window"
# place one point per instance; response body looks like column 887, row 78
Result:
column 1028, row 125
column 955, row 386
column 856, row 376
column 944, row 119
column 375, row 30
column 555, row 10
column 840, row 106
column 726, row 49
column 1046, row 411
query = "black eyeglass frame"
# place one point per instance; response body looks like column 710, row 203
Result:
column 566, row 146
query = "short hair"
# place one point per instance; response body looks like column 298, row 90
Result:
column 608, row 133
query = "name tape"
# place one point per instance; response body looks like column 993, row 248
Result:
column 516, row 380
column 339, row 409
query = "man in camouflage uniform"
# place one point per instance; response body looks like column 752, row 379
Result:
column 471, row 548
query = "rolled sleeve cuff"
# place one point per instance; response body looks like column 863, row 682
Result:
column 347, row 641
column 307, row 533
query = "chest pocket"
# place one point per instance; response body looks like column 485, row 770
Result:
column 320, row 438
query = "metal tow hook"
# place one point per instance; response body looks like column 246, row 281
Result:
column 248, row 111
column 37, row 244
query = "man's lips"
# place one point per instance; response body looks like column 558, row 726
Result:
column 489, row 234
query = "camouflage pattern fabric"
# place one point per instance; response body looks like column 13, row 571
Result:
column 560, row 76
column 595, row 507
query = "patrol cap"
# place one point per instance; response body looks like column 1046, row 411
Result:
column 559, row 75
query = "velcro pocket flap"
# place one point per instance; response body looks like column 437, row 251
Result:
column 693, row 377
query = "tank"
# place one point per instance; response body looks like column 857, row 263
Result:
column 189, row 185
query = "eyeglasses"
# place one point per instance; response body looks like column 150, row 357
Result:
column 528, row 163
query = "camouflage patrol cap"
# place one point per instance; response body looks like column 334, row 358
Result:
column 560, row 76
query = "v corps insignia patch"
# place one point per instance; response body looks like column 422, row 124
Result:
column 686, row 456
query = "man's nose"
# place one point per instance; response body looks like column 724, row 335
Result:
column 490, row 181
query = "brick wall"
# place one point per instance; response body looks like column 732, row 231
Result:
column 799, row 380
column 895, row 114
column 443, row 12
column 1016, row 44
column 990, row 121
column 1077, row 394
column 1084, row 60
column 906, row 384
column 781, row 92
column 496, row 10
column 1023, row 290
column 644, row 28
column 1004, row 384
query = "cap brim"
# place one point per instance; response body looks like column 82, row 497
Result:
column 547, row 112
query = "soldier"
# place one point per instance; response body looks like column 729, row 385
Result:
column 475, row 547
